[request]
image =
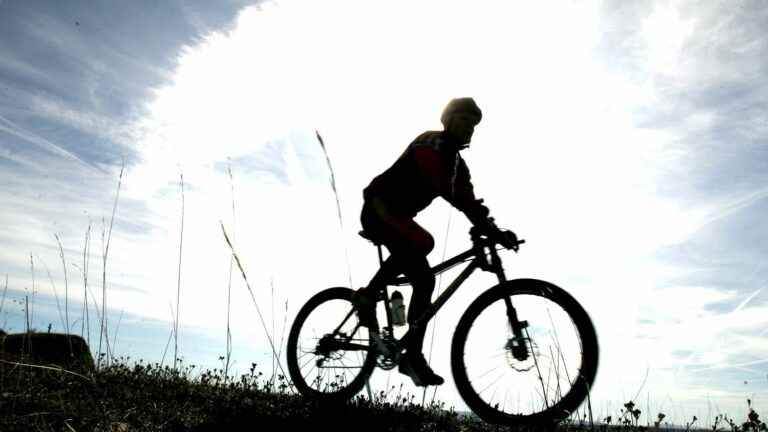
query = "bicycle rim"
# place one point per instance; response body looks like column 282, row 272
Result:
column 328, row 352
column 561, row 364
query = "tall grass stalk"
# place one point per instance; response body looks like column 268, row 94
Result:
column 102, row 319
column 171, row 335
column 104, row 264
column 282, row 336
column 178, row 283
column 26, row 311
column 253, row 298
column 117, row 328
column 282, row 331
column 86, row 324
column 648, row 409
column 341, row 225
column 647, row 369
column 538, row 372
column 556, row 363
column 5, row 291
column 31, row 312
column 66, row 292
column 98, row 317
column 55, row 292
column 229, row 282
column 561, row 357
column 434, row 320
column 272, row 304
column 338, row 203
column 167, row 344
column 589, row 407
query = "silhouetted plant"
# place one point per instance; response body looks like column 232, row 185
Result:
column 718, row 419
column 688, row 425
column 753, row 422
column 629, row 415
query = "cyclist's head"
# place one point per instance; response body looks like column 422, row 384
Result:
column 459, row 119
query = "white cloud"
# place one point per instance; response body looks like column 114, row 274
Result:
column 665, row 32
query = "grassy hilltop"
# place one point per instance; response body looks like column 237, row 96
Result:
column 125, row 395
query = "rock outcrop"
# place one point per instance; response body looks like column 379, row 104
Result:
column 68, row 351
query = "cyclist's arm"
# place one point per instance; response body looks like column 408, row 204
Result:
column 458, row 191
column 462, row 196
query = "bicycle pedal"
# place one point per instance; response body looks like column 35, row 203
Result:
column 378, row 343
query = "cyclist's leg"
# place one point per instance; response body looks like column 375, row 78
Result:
column 416, row 267
column 409, row 244
column 364, row 299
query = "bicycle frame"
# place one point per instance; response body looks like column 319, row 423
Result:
column 479, row 260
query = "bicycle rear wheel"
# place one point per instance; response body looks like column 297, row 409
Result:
column 550, row 379
column 329, row 354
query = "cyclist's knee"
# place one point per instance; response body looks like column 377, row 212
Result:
column 418, row 271
column 424, row 282
column 419, row 240
column 425, row 243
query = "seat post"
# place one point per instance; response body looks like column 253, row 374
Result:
column 365, row 235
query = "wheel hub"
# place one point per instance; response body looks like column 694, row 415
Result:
column 518, row 347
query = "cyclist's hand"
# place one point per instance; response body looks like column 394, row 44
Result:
column 509, row 240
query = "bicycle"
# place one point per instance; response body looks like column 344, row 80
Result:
column 525, row 352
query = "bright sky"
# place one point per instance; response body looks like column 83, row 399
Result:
column 624, row 142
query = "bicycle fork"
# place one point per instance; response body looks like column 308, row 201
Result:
column 517, row 344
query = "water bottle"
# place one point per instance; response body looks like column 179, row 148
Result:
column 398, row 309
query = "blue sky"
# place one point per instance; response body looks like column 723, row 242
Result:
column 625, row 141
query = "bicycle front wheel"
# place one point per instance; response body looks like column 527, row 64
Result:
column 330, row 356
column 541, row 378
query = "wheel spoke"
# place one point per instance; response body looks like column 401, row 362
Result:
column 492, row 383
column 487, row 372
column 306, row 363
column 308, row 372
column 344, row 371
column 339, row 367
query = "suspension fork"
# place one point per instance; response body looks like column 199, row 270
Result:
column 514, row 322
column 517, row 343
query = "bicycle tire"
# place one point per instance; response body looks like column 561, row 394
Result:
column 339, row 390
column 582, row 382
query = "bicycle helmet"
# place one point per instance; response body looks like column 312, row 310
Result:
column 461, row 105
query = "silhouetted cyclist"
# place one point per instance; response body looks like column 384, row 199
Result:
column 430, row 167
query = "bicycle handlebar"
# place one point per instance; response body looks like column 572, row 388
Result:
column 477, row 235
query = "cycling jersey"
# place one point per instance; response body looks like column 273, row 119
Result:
column 429, row 167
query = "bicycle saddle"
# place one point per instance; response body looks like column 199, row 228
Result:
column 370, row 237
